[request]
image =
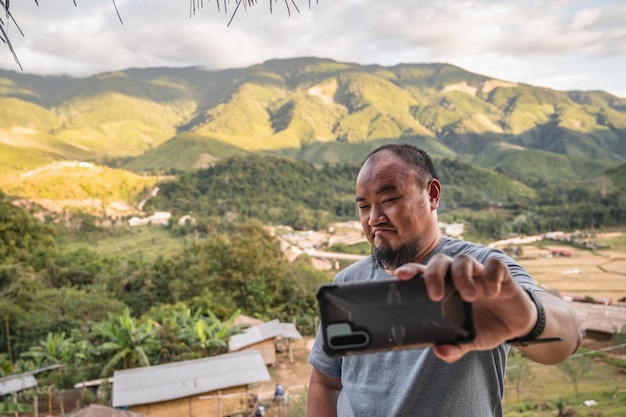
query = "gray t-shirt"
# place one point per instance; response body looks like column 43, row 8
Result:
column 414, row 382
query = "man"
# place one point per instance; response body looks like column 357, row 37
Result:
column 397, row 193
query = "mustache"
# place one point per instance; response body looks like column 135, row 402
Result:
column 388, row 226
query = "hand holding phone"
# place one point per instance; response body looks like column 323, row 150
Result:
column 382, row 315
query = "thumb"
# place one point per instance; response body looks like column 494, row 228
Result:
column 450, row 353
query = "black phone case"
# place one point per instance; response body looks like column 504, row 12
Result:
column 374, row 316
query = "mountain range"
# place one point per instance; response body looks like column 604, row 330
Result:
column 313, row 109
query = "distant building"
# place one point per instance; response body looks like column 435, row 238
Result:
column 558, row 235
column 600, row 321
column 208, row 387
column 263, row 337
column 20, row 382
column 159, row 218
column 452, row 229
column 560, row 252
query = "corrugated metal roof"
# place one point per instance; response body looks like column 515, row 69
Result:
column 262, row 332
column 290, row 331
column 599, row 317
column 152, row 384
column 17, row 384
column 255, row 334
column 25, row 380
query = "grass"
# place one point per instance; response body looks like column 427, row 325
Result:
column 615, row 240
column 549, row 390
column 598, row 274
column 71, row 186
column 146, row 242
column 184, row 151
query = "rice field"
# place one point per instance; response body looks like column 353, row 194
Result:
column 598, row 274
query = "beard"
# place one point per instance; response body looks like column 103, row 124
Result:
column 388, row 258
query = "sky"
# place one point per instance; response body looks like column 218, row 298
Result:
column 559, row 44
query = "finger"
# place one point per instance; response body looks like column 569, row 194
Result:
column 408, row 271
column 465, row 270
column 449, row 353
column 495, row 272
column 434, row 276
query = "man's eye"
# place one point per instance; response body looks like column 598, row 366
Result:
column 390, row 200
column 363, row 207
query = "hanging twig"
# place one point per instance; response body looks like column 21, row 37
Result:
column 294, row 5
column 195, row 5
column 118, row 12
column 4, row 36
column 233, row 15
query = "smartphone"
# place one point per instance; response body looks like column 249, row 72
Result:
column 383, row 315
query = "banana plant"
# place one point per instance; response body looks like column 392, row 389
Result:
column 127, row 341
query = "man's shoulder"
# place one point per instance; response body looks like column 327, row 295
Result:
column 452, row 247
column 362, row 270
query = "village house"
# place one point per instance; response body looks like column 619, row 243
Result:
column 600, row 321
column 217, row 386
column 264, row 338
column 13, row 384
column 158, row 218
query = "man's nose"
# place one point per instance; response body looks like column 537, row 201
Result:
column 377, row 215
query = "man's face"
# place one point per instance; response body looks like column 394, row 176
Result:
column 397, row 214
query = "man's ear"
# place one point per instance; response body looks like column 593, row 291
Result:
column 434, row 192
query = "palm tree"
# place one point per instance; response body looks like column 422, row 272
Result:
column 194, row 5
column 213, row 335
column 56, row 348
column 129, row 342
column 205, row 335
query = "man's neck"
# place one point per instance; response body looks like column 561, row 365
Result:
column 429, row 249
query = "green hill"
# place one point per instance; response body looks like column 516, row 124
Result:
column 183, row 152
column 71, row 186
column 301, row 106
column 533, row 165
column 319, row 111
column 281, row 191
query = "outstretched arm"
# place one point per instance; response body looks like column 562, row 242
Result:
column 561, row 321
column 502, row 309
column 323, row 393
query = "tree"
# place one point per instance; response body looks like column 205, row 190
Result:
column 518, row 372
column 129, row 342
column 574, row 368
column 59, row 310
column 213, row 335
column 21, row 234
column 11, row 310
column 244, row 270
column 187, row 335
column 54, row 349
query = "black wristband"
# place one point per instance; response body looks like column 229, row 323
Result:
column 533, row 336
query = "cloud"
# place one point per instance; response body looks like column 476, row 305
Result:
column 561, row 42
